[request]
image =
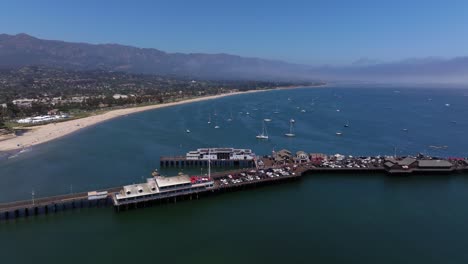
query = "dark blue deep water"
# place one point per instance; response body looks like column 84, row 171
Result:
column 320, row 219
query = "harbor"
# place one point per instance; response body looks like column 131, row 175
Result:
column 330, row 209
column 280, row 166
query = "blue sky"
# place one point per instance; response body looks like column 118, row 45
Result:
column 312, row 32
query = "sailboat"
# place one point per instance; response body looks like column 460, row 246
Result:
column 347, row 124
column 291, row 133
column 230, row 118
column 209, row 119
column 276, row 110
column 264, row 134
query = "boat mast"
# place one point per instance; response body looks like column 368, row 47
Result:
column 209, row 163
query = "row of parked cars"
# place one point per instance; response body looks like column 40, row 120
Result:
column 255, row 175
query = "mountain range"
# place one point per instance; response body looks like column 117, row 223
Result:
column 25, row 50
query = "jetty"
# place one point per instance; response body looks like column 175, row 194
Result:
column 281, row 166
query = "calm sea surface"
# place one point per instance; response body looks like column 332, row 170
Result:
column 320, row 219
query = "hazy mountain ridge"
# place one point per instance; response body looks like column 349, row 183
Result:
column 24, row 50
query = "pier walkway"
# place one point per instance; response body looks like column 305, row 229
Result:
column 50, row 204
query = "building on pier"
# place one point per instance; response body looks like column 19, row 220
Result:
column 159, row 187
column 434, row 164
column 220, row 154
column 406, row 163
column 226, row 157
column 283, row 156
column 301, row 157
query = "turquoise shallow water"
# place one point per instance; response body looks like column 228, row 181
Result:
column 323, row 218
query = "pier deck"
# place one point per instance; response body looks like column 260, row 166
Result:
column 239, row 179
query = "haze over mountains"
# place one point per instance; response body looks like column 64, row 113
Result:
column 24, row 50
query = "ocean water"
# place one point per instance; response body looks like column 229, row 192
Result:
column 321, row 219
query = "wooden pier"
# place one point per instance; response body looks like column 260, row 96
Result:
column 47, row 205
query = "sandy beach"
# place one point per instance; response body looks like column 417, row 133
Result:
column 44, row 133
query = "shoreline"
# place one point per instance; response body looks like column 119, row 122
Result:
column 48, row 132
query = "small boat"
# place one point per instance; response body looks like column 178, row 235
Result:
column 292, row 121
column 267, row 119
column 405, row 130
column 255, row 109
column 216, row 127
column 264, row 134
column 247, row 113
column 453, row 122
column 447, row 105
column 188, row 130
column 291, row 133
column 303, row 111
column 209, row 119
column 438, row 147
column 339, row 133
column 338, row 110
column 347, row 124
